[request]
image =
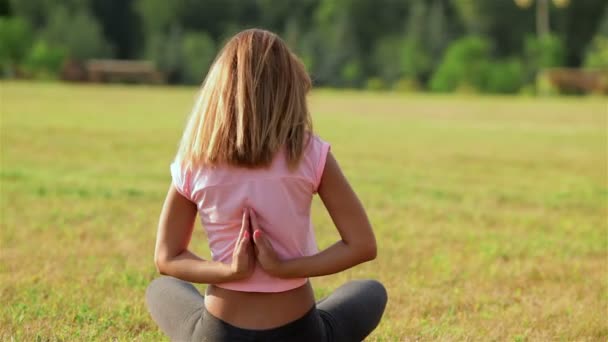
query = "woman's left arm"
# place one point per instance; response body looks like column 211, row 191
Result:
column 173, row 258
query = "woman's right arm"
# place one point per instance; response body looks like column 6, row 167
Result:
column 173, row 258
column 357, row 243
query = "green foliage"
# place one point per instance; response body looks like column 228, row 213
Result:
column 44, row 60
column 156, row 15
column 543, row 52
column 15, row 40
column 351, row 72
column 415, row 61
column 504, row 76
column 387, row 58
column 468, row 66
column 414, row 55
column 597, row 53
column 198, row 51
column 336, row 46
column 406, row 85
column 375, row 83
column 343, row 43
column 463, row 65
column 543, row 84
column 165, row 49
column 76, row 32
column 469, row 12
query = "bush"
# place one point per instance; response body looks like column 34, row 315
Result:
column 375, row 83
column 15, row 41
column 544, row 86
column 597, row 53
column 385, row 59
column 415, row 61
column 406, row 85
column 44, row 61
column 351, row 73
column 463, row 65
column 198, row 52
column 166, row 51
column 541, row 53
column 504, row 76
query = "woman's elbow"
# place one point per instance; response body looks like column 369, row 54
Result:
column 161, row 264
column 367, row 252
column 370, row 252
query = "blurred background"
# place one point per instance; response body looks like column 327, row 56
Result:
column 485, row 179
column 482, row 46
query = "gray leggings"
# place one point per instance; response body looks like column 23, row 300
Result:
column 349, row 314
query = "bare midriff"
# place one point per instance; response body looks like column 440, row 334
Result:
column 259, row 310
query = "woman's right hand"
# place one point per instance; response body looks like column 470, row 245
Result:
column 243, row 258
column 264, row 252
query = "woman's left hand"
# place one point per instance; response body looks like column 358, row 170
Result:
column 265, row 254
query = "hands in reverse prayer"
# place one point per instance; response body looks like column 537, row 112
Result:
column 252, row 245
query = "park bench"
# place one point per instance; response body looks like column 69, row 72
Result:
column 111, row 70
column 579, row 81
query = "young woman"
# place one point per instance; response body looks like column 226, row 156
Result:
column 249, row 165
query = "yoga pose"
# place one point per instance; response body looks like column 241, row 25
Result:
column 249, row 164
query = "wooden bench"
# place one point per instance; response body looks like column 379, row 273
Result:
column 586, row 81
column 111, row 70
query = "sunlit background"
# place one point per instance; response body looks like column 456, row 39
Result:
column 484, row 46
column 474, row 132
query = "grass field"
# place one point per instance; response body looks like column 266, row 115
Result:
column 490, row 213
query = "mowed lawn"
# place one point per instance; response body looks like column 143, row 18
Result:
column 491, row 213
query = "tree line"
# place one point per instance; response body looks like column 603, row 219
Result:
column 440, row 45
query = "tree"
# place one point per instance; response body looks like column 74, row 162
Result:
column 541, row 53
column 596, row 55
column 336, row 51
column 37, row 12
column 198, row 51
column 165, row 49
column 15, row 40
column 415, row 56
column 583, row 21
column 387, row 58
column 76, row 32
column 121, row 26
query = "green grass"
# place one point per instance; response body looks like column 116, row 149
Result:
column 490, row 213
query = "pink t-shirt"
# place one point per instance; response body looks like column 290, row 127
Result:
column 281, row 199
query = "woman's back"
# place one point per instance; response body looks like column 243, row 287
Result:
column 280, row 196
column 248, row 164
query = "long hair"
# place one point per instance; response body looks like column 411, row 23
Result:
column 252, row 104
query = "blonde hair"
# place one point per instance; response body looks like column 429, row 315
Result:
column 252, row 104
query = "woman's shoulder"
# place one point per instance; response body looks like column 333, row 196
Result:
column 315, row 145
column 314, row 157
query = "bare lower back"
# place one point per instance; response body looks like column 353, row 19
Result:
column 256, row 310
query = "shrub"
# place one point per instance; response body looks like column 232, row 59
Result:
column 166, row 51
column 375, row 83
column 504, row 76
column 15, row 41
column 415, row 60
column 406, row 85
column 351, row 73
column 198, row 51
column 597, row 53
column 541, row 53
column 386, row 59
column 44, row 61
column 463, row 65
column 544, row 86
